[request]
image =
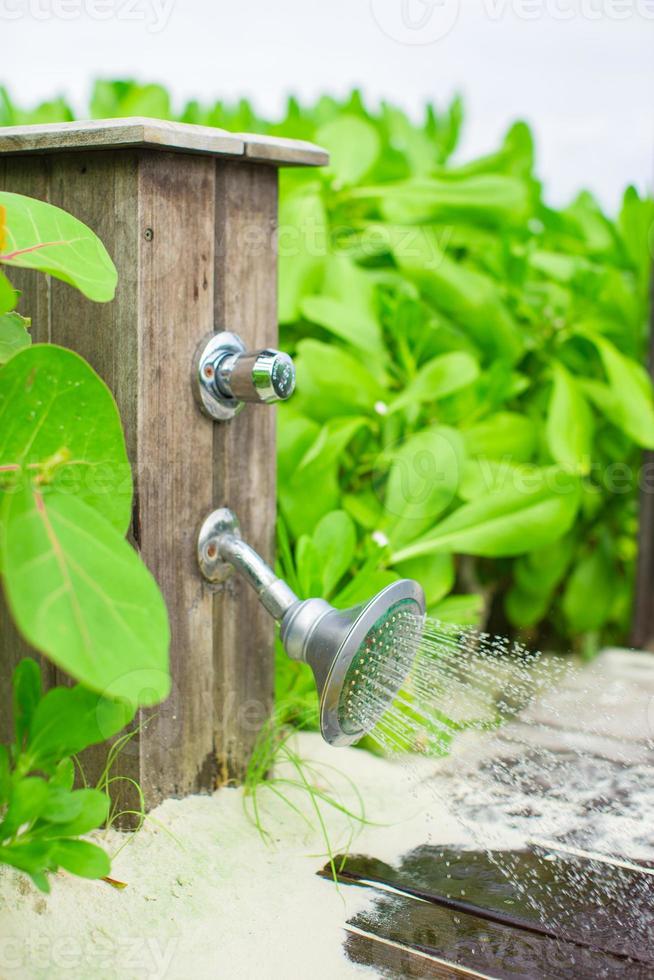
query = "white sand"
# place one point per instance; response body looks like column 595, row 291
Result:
column 206, row 897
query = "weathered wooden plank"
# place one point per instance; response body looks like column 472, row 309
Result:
column 610, row 698
column 244, row 456
column 139, row 131
column 174, row 471
column 289, row 153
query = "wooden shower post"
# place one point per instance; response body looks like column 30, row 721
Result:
column 189, row 215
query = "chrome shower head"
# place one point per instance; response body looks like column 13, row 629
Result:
column 360, row 657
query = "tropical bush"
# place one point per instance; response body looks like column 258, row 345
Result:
column 41, row 815
column 472, row 402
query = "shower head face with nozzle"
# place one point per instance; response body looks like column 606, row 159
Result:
column 360, row 657
column 379, row 667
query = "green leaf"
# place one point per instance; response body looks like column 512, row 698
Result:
column 334, row 540
column 41, row 236
column 525, row 609
column 512, row 522
column 91, row 809
column 505, row 435
column 81, row 858
column 346, row 305
column 8, row 295
column 302, row 249
column 59, row 420
column 363, row 586
column 332, row 440
column 632, row 404
column 13, row 335
column 569, row 423
column 485, row 475
column 62, row 806
column 27, row 799
column 28, row 691
column 486, row 199
column 588, row 597
column 460, row 610
column 80, row 594
column 539, row 572
column 70, row 719
column 353, row 146
column 423, row 478
column 335, row 381
column 33, row 857
column 63, row 776
column 435, row 573
column 439, row 377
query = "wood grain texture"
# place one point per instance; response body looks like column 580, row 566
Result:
column 175, row 482
column 244, row 457
column 139, row 131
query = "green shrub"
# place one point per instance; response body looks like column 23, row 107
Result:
column 471, row 403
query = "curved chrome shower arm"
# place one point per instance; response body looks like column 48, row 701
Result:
column 221, row 549
column 274, row 593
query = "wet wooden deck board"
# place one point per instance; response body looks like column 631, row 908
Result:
column 595, row 734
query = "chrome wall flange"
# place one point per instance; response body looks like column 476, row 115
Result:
column 212, row 566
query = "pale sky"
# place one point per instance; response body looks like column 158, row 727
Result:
column 581, row 71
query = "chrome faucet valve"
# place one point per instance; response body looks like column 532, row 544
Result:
column 226, row 376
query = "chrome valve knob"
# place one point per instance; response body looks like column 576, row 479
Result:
column 260, row 376
column 226, row 375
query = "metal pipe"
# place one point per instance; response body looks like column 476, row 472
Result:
column 275, row 594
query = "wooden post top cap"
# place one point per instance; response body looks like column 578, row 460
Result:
column 138, row 131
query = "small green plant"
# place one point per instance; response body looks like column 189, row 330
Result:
column 42, row 816
column 309, row 789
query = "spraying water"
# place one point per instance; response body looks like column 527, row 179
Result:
column 444, row 681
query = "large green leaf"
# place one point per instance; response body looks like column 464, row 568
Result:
column 487, row 199
column 423, row 477
column 8, row 295
column 511, row 522
column 631, row 403
column 302, row 249
column 506, row 435
column 41, row 236
column 588, row 597
column 438, row 378
column 13, row 335
column 59, row 423
column 332, row 381
column 82, row 858
column 70, row 719
column 334, row 541
column 569, row 423
column 346, row 305
column 353, row 146
column 80, row 594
